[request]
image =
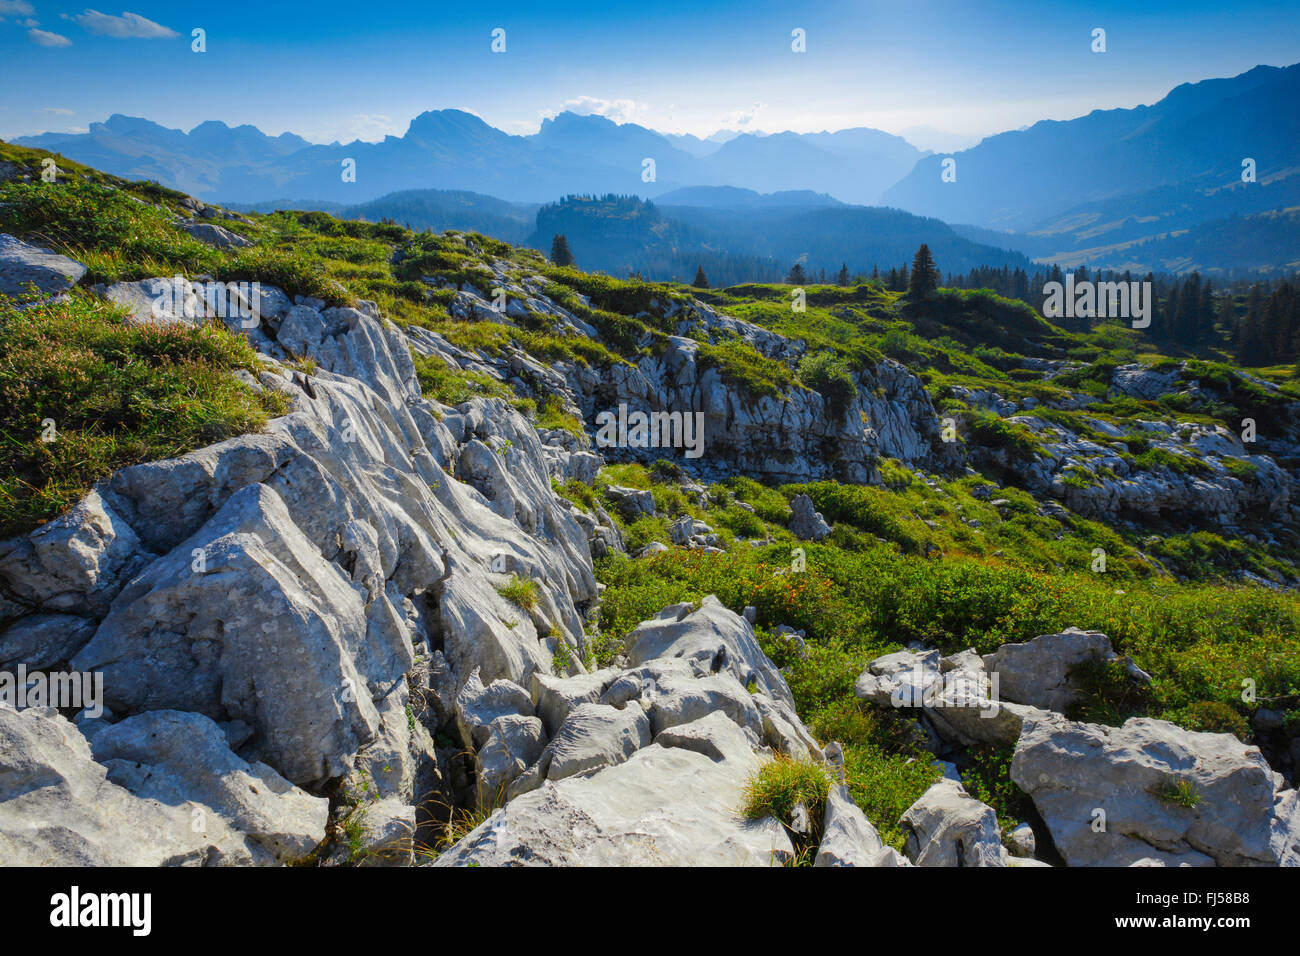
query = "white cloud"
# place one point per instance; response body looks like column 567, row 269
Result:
column 367, row 127
column 742, row 119
column 46, row 38
column 620, row 111
column 16, row 8
column 370, row 127
column 58, row 110
column 127, row 26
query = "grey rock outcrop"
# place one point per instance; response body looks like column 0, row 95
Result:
column 805, row 521
column 23, row 266
column 1112, row 796
column 167, row 792
column 1038, row 672
column 946, row 826
column 654, row 772
column 849, row 839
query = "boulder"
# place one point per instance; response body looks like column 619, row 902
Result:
column 216, row 236
column 805, row 521
column 514, row 743
column 58, row 807
column 554, row 697
column 900, row 679
column 713, row 735
column 715, row 640
column 387, row 833
column 23, row 265
column 478, row 705
column 244, row 605
column 73, row 564
column 1037, row 672
column 175, row 757
column 41, row 641
column 1111, row 796
column 1022, row 841
column 946, row 826
column 664, row 806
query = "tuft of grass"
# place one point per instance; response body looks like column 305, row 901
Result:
column 551, row 414
column 521, row 591
column 1182, row 793
column 778, row 787
column 464, row 820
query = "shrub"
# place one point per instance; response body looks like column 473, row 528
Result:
column 827, row 374
column 1213, row 717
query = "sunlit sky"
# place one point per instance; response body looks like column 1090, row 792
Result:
column 332, row 70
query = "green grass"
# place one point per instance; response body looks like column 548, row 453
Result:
column 1179, row 792
column 102, row 226
column 778, row 787
column 452, row 386
column 742, row 366
column 520, row 591
column 115, row 394
column 828, row 374
column 551, row 414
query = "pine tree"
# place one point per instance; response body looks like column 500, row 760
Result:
column 701, row 280
column 843, row 277
column 925, row 276
column 560, row 253
column 797, row 276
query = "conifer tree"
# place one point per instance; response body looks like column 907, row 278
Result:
column 560, row 253
column 925, row 277
column 701, row 280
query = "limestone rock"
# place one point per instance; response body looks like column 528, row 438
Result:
column 1037, row 672
column 849, row 839
column 948, row 827
column 1165, row 792
column 58, row 808
column 175, row 757
column 22, row 264
column 806, row 522
column 595, row 736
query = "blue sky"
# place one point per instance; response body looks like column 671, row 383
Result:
column 331, row 70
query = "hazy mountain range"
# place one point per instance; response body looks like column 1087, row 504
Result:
column 450, row 149
column 1153, row 187
column 1090, row 188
